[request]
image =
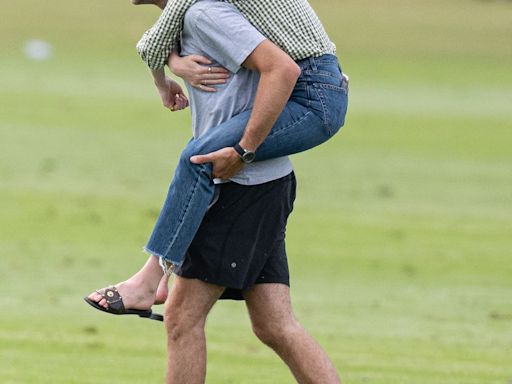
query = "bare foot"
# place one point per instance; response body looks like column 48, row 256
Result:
column 137, row 295
column 134, row 295
column 141, row 291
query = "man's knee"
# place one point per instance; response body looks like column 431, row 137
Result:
column 187, row 307
column 181, row 327
column 182, row 320
column 274, row 334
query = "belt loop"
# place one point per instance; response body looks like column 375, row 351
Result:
column 312, row 62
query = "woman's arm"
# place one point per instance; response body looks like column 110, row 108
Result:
column 155, row 48
column 157, row 43
column 197, row 71
column 170, row 91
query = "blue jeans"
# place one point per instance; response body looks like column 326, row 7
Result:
column 315, row 112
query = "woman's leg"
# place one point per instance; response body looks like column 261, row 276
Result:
column 142, row 290
column 190, row 193
column 314, row 113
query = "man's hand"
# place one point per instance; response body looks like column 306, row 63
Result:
column 226, row 162
column 197, row 71
column 171, row 94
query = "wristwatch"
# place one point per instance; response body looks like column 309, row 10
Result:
column 245, row 155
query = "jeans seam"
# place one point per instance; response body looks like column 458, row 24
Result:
column 324, row 107
column 334, row 87
column 298, row 121
column 321, row 73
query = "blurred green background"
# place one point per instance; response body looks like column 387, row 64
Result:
column 400, row 243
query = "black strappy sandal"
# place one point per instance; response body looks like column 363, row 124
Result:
column 116, row 305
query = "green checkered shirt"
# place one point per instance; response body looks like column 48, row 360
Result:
column 291, row 24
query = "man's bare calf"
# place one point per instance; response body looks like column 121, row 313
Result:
column 274, row 323
column 186, row 309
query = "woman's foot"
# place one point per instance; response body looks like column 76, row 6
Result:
column 135, row 295
column 141, row 291
column 163, row 290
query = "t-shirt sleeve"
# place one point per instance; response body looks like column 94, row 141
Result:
column 225, row 35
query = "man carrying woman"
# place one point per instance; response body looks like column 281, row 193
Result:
column 282, row 121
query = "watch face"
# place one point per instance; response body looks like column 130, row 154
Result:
column 248, row 157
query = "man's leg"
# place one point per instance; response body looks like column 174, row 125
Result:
column 186, row 310
column 275, row 325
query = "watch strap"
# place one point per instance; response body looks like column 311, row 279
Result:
column 239, row 149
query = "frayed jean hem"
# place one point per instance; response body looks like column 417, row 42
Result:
column 168, row 266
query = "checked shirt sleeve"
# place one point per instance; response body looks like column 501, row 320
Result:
column 157, row 43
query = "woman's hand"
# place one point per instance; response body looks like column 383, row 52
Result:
column 196, row 71
column 171, row 94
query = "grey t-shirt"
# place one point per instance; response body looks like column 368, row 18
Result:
column 217, row 30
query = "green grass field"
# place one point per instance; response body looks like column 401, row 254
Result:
column 400, row 245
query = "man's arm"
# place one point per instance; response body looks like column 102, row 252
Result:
column 278, row 75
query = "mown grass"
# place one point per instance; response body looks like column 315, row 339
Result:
column 399, row 245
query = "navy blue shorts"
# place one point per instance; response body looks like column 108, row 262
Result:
column 241, row 240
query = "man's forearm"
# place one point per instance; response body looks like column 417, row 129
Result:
column 272, row 95
column 274, row 89
column 278, row 75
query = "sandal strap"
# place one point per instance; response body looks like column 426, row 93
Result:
column 113, row 298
